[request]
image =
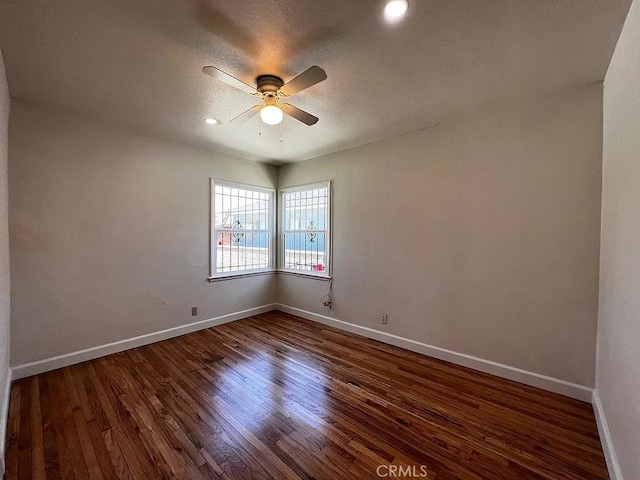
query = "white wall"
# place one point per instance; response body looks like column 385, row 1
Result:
column 4, row 260
column 110, row 234
column 618, row 369
column 479, row 236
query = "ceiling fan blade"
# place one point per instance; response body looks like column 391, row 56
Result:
column 299, row 115
column 228, row 79
column 246, row 115
column 306, row 79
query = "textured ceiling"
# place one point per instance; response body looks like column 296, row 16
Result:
column 139, row 62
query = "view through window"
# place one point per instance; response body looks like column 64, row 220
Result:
column 242, row 229
column 305, row 229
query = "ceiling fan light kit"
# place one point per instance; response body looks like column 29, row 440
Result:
column 395, row 10
column 271, row 114
column 271, row 90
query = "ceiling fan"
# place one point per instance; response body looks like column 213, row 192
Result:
column 271, row 90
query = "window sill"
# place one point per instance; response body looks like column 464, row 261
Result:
column 269, row 272
column 323, row 278
column 239, row 275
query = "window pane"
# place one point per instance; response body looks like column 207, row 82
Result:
column 305, row 251
column 306, row 210
column 241, row 251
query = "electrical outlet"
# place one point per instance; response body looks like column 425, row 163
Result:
column 194, row 311
column 384, row 319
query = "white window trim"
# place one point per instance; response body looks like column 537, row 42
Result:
column 213, row 247
column 327, row 274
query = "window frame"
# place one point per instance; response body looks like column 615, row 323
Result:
column 327, row 273
column 271, row 232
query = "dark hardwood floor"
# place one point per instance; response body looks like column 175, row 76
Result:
column 275, row 396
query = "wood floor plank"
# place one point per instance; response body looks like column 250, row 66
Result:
column 24, row 433
column 13, row 430
column 37, row 434
column 278, row 397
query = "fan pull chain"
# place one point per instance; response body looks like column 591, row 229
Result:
column 281, row 130
column 260, row 129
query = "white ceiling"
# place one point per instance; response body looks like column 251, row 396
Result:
column 139, row 62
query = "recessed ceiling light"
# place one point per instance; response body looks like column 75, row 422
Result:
column 395, row 10
column 212, row 121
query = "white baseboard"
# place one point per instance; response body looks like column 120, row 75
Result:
column 528, row 378
column 4, row 411
column 605, row 438
column 544, row 382
column 41, row 366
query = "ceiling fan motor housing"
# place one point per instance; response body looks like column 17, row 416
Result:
column 269, row 84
